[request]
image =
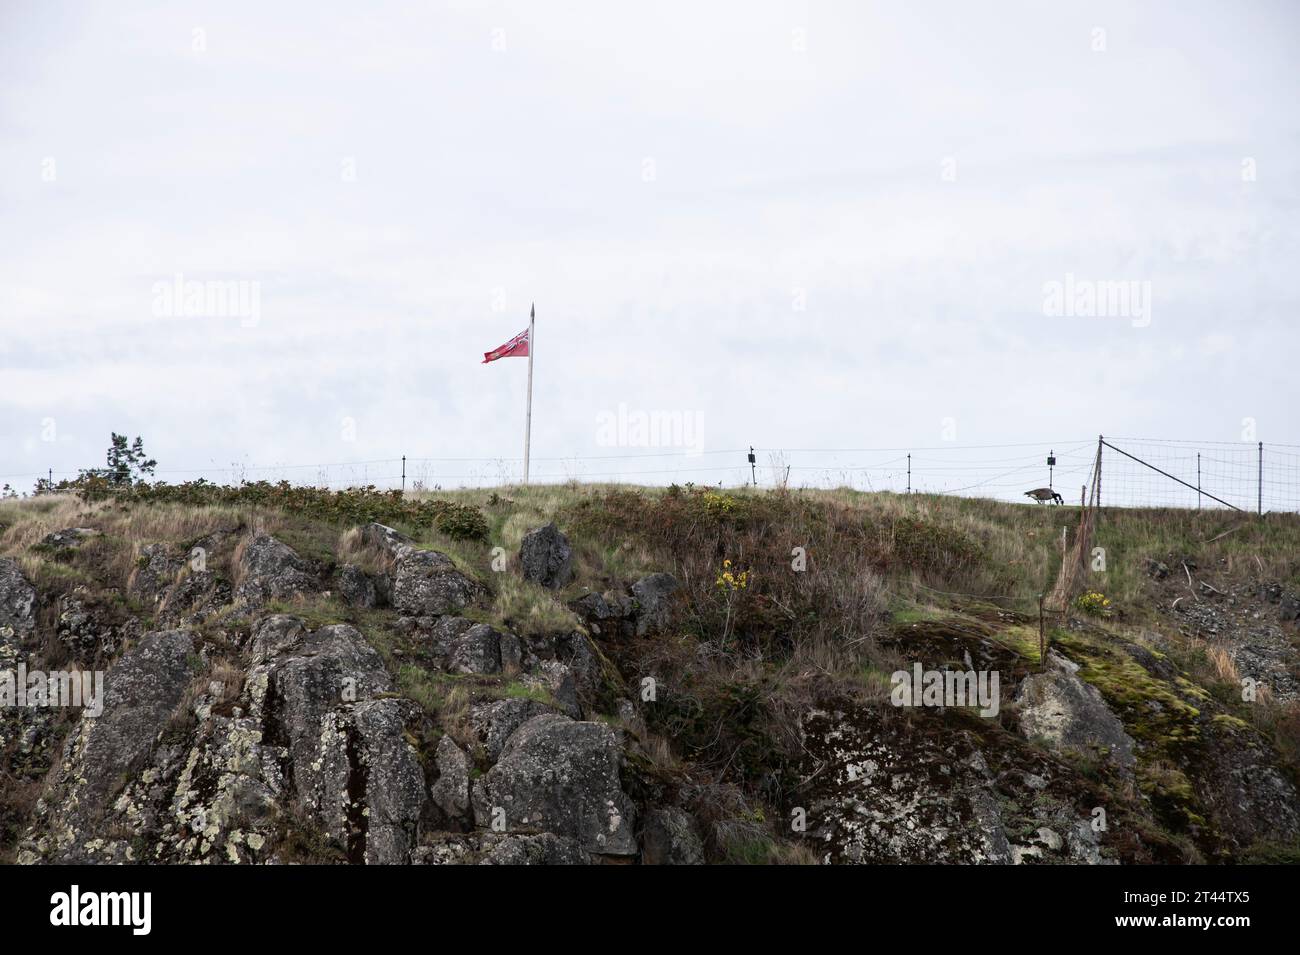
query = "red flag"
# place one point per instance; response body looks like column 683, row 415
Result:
column 517, row 347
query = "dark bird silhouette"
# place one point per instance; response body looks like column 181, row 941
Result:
column 1044, row 494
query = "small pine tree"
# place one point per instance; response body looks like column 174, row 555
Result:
column 127, row 464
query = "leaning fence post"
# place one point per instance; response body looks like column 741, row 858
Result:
column 1096, row 485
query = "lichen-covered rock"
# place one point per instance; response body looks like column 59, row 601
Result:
column 356, row 588
column 669, row 837
column 155, row 573
column 272, row 570
column 141, row 693
column 563, row 777
column 17, row 611
column 299, row 676
column 194, row 598
column 1248, row 798
column 17, row 598
column 26, row 733
column 593, row 608
column 90, row 630
column 543, row 848
column 500, row 848
column 476, row 650
column 494, row 723
column 545, row 557
column 450, row 792
column 879, row 794
column 427, row 583
column 311, row 741
column 366, row 785
column 1059, row 707
column 655, row 598
column 228, row 797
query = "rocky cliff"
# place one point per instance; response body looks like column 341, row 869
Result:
column 601, row 679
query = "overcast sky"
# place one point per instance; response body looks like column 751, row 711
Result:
column 803, row 225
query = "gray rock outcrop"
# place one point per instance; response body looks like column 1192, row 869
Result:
column 562, row 777
column 545, row 557
column 655, row 595
column 1068, row 713
column 272, row 570
column 427, row 583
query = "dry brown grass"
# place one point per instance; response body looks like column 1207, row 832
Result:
column 1225, row 668
column 111, row 558
column 352, row 549
column 453, row 717
column 28, row 520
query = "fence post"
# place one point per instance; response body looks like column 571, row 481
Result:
column 1101, row 439
column 1198, row 480
column 909, row 473
column 1042, row 633
column 403, row 473
column 1260, row 504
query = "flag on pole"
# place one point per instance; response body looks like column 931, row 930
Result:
column 517, row 347
column 521, row 346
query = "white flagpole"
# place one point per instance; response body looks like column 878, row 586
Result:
column 528, row 419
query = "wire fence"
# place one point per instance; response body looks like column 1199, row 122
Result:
column 1138, row 472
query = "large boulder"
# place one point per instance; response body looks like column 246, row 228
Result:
column 1059, row 707
column 427, row 584
column 655, row 596
column 562, row 777
column 545, row 557
column 272, row 570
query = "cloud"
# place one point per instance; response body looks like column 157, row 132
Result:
column 839, row 246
